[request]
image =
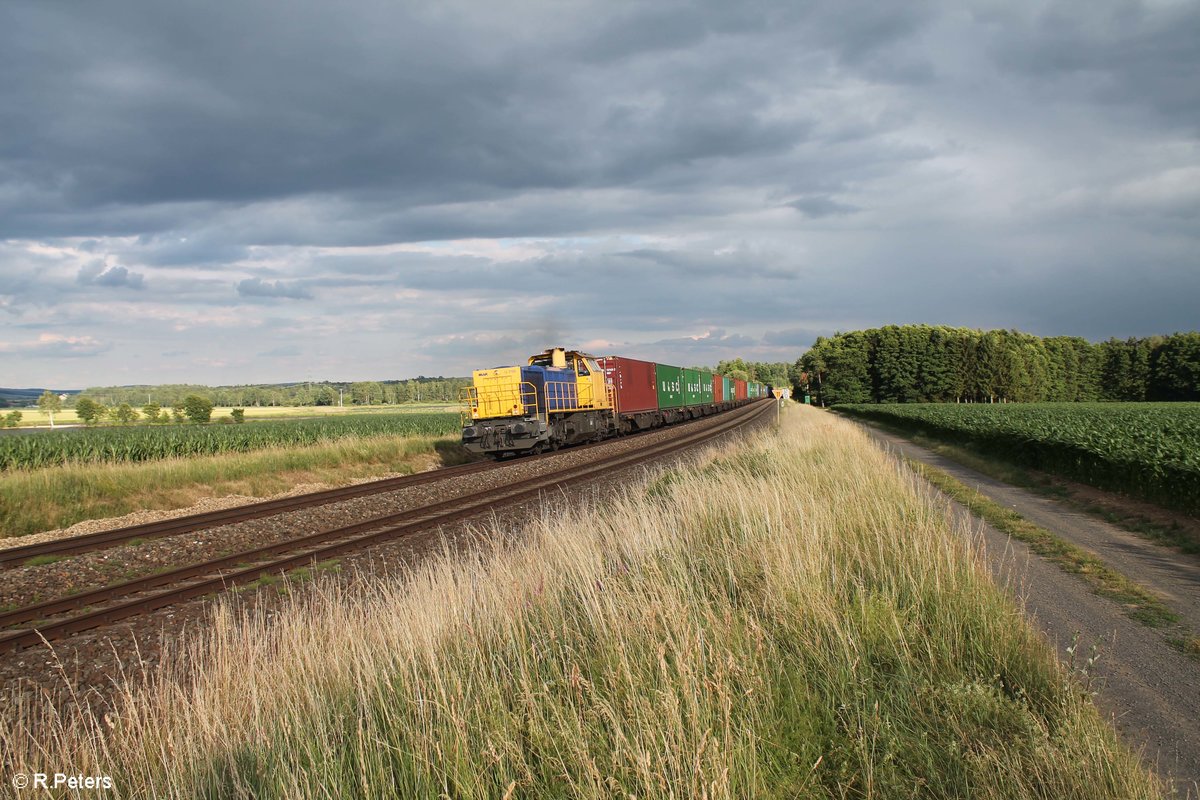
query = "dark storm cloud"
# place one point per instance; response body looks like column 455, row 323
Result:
column 796, row 338
column 1117, row 52
column 670, row 177
column 821, row 206
column 180, row 103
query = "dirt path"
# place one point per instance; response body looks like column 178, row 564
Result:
column 1151, row 690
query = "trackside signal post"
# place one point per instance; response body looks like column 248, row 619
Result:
column 781, row 396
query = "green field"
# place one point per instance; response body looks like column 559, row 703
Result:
column 1148, row 450
column 149, row 443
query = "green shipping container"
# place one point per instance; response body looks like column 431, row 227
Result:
column 728, row 389
column 697, row 387
column 669, row 381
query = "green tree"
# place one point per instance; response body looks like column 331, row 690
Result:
column 935, row 365
column 847, row 378
column 198, row 409
column 365, row 393
column 50, row 402
column 152, row 411
column 238, row 415
column 1175, row 374
column 12, row 419
column 125, row 414
column 88, row 410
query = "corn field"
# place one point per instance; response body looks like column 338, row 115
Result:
column 149, row 443
column 1148, row 450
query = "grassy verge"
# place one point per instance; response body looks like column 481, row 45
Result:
column 1170, row 533
column 792, row 618
column 1137, row 602
column 55, row 497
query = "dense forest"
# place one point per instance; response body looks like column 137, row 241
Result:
column 926, row 363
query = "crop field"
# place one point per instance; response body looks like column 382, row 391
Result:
column 149, row 443
column 1148, row 450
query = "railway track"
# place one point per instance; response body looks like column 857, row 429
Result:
column 207, row 577
column 18, row 556
column 13, row 557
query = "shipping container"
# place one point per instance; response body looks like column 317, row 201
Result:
column 669, row 383
column 751, row 390
column 634, row 382
column 739, row 390
column 697, row 387
column 728, row 393
column 718, row 388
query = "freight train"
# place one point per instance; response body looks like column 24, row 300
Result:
column 564, row 397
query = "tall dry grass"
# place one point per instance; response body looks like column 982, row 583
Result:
column 794, row 617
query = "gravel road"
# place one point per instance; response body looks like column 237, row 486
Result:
column 1151, row 690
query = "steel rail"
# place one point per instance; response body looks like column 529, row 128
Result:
column 416, row 520
column 114, row 537
column 13, row 557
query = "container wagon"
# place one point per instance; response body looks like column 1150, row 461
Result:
column 564, row 397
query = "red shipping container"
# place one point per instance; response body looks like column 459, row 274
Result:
column 634, row 383
column 718, row 389
column 739, row 390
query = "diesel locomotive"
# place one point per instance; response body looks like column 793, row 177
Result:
column 563, row 397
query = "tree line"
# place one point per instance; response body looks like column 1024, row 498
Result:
column 422, row 389
column 929, row 363
column 778, row 373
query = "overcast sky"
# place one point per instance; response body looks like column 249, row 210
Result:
column 273, row 191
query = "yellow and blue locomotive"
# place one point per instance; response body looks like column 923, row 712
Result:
column 560, row 397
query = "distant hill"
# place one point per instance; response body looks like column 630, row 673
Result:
column 25, row 397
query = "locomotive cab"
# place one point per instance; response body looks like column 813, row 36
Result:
column 560, row 397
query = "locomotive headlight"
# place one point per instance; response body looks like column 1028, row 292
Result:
column 469, row 432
